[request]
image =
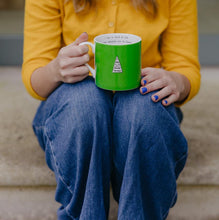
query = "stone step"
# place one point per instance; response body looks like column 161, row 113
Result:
column 27, row 203
column 21, row 160
column 34, row 203
column 201, row 127
column 196, row 202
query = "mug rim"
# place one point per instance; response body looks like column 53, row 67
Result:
column 137, row 39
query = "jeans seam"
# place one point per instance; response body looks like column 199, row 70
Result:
column 181, row 158
column 69, row 214
column 38, row 127
column 41, row 127
column 58, row 170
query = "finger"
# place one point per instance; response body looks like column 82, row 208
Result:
column 74, row 61
column 169, row 100
column 73, row 51
column 144, row 81
column 149, row 70
column 146, row 71
column 150, row 78
column 73, row 72
column 163, row 93
column 155, row 85
column 80, row 70
column 83, row 37
column 152, row 75
column 76, row 78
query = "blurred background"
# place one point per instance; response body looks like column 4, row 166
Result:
column 27, row 186
column 11, row 28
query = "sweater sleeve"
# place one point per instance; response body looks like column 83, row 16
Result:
column 179, row 44
column 42, row 37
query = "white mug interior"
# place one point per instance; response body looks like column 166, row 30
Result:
column 117, row 39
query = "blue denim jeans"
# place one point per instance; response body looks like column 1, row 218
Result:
column 93, row 138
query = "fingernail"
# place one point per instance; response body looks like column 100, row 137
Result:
column 144, row 90
column 165, row 101
column 156, row 97
column 145, row 82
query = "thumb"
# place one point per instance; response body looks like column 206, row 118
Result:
column 83, row 37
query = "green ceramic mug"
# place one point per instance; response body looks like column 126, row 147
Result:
column 117, row 58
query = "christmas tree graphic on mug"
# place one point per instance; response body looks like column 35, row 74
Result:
column 117, row 66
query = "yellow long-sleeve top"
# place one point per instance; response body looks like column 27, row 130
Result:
column 169, row 41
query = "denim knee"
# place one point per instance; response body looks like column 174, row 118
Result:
column 138, row 118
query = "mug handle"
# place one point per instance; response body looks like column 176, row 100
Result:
column 93, row 72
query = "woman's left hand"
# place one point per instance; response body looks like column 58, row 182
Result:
column 172, row 87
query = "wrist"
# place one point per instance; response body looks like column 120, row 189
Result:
column 185, row 88
column 53, row 69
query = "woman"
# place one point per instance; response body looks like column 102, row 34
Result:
column 93, row 137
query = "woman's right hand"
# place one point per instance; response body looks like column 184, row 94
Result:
column 70, row 61
column 67, row 67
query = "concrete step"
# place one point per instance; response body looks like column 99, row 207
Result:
column 27, row 203
column 34, row 203
column 201, row 127
column 21, row 160
column 196, row 202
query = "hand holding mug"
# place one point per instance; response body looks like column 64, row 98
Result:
column 71, row 60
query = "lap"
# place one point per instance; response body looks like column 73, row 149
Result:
column 140, row 108
column 82, row 96
column 72, row 104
